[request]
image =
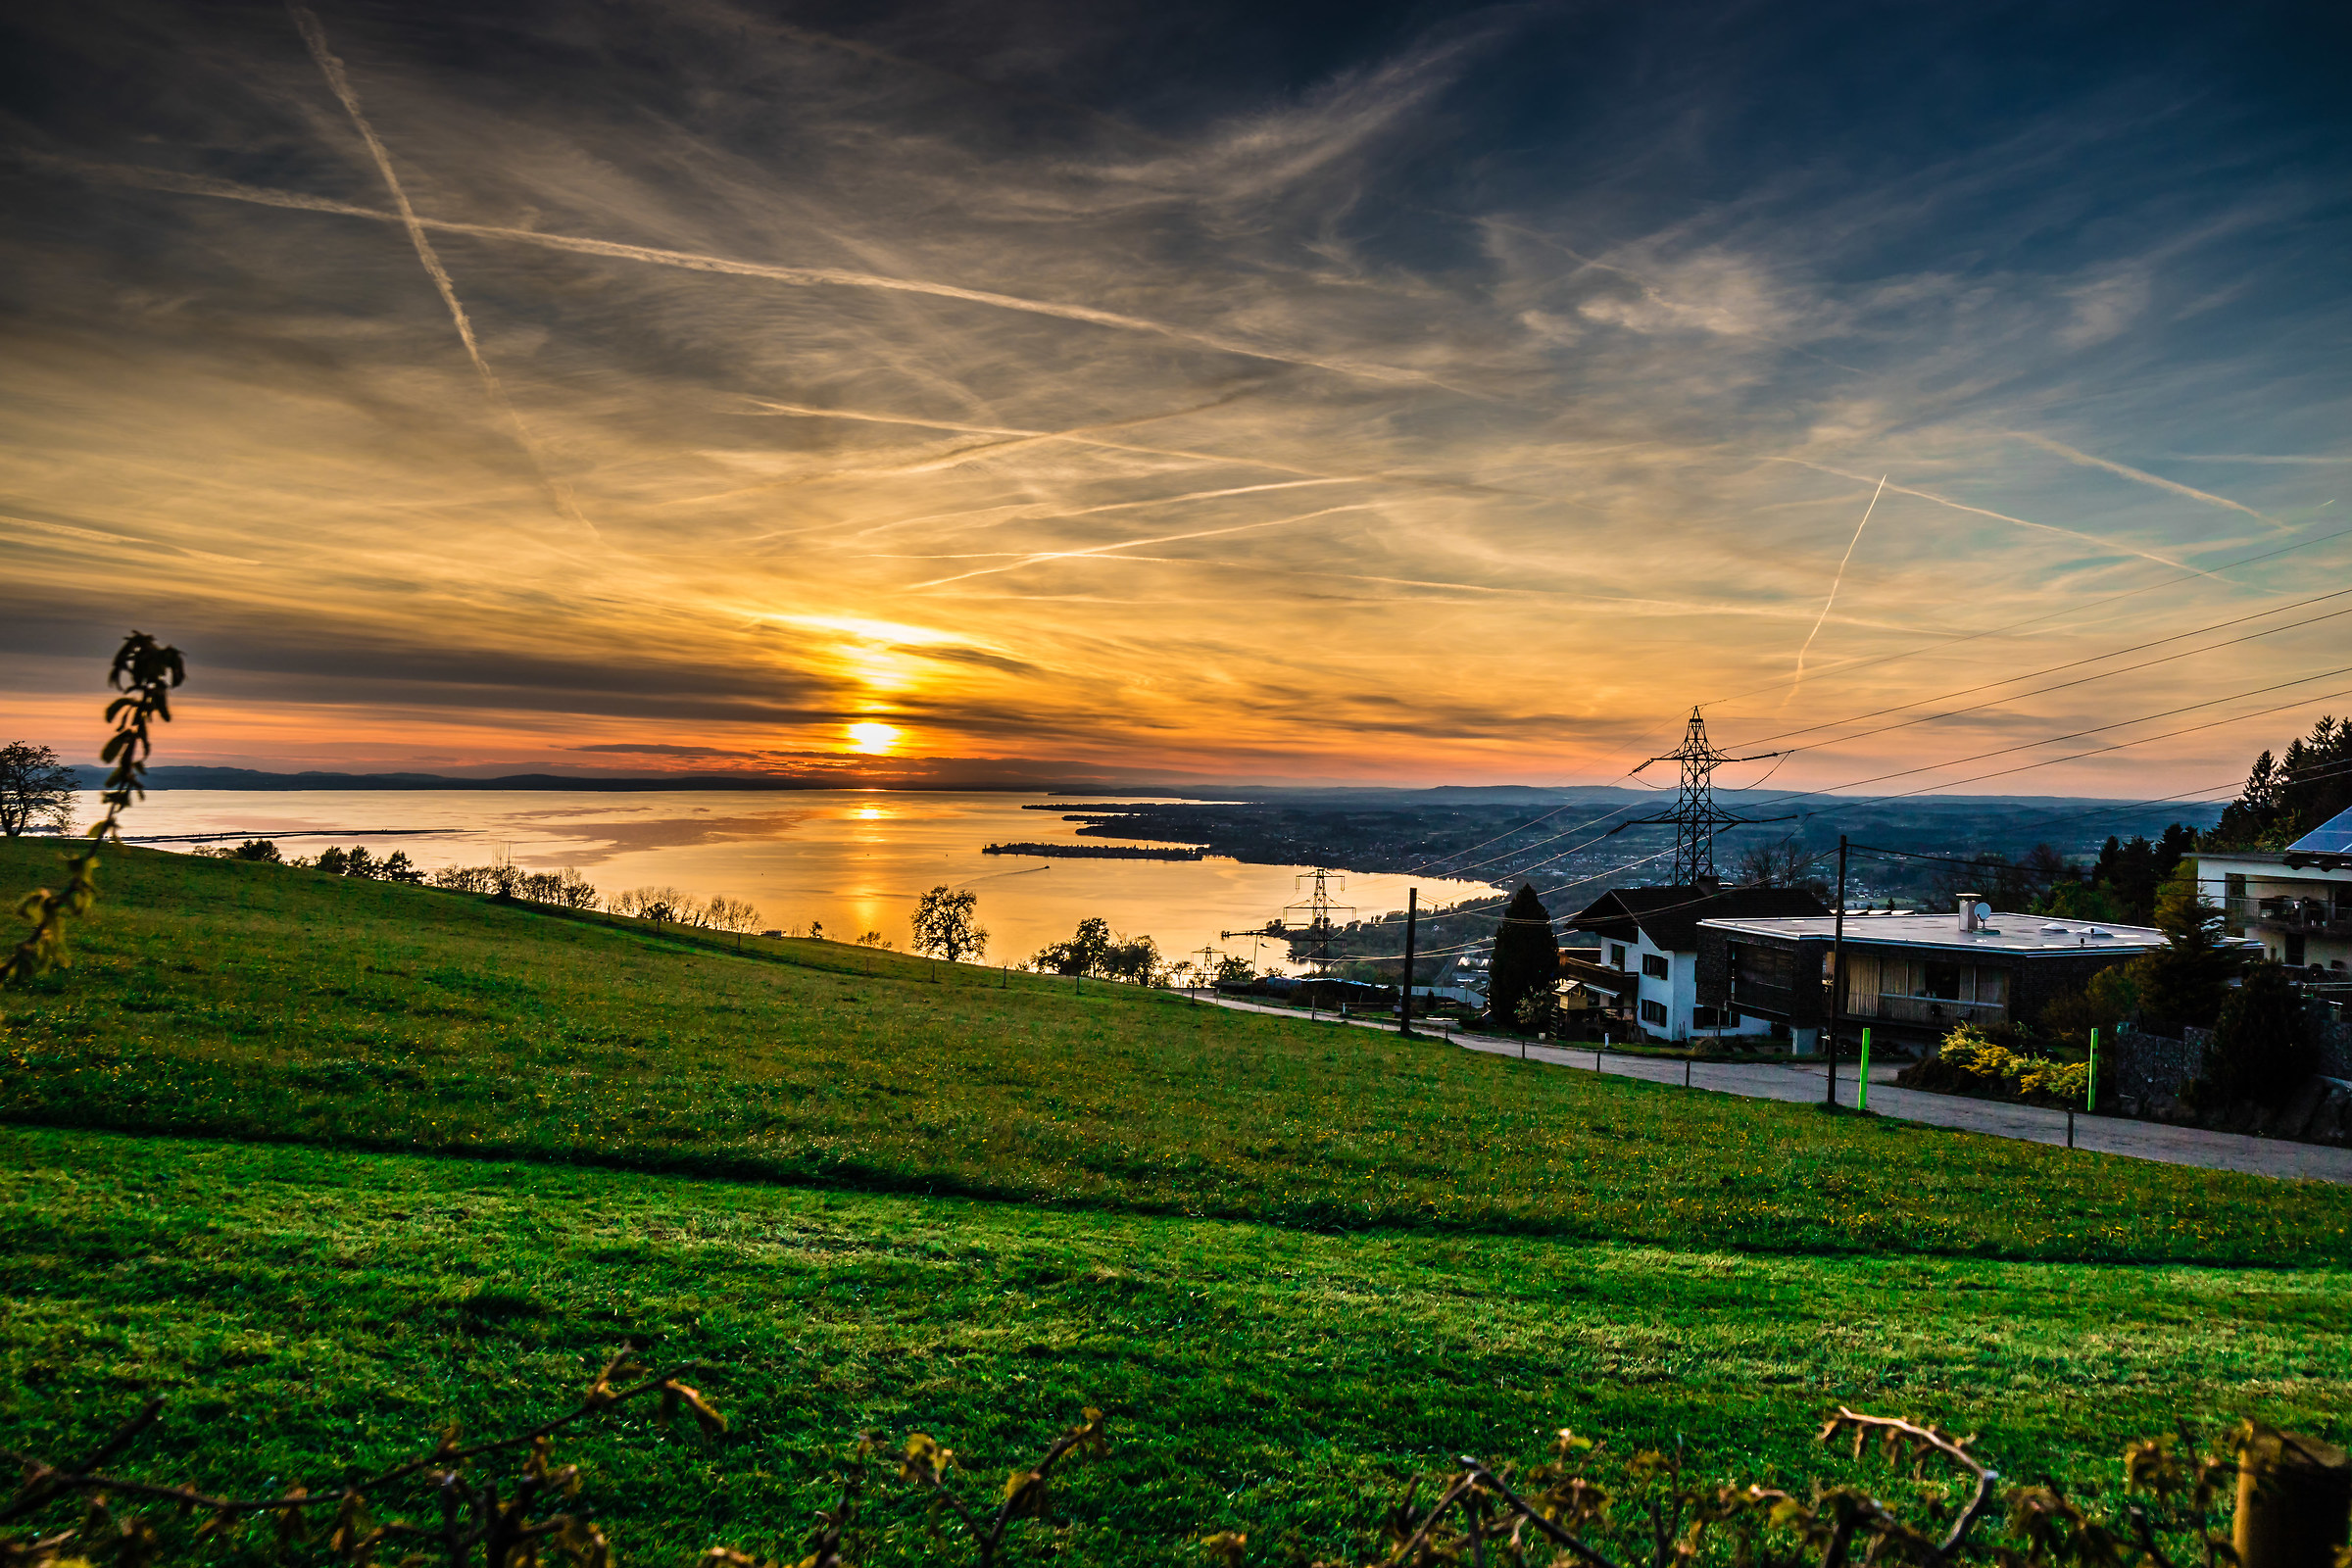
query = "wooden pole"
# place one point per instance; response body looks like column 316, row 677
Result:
column 2294, row 1495
column 1836, row 978
column 1404, row 999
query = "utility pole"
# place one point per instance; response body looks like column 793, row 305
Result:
column 1405, row 994
column 1696, row 818
column 1837, row 975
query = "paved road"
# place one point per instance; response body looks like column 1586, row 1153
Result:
column 1801, row 1081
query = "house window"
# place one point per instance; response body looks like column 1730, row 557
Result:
column 1655, row 1012
column 1654, row 965
column 2295, row 950
column 1709, row 1018
column 1616, row 955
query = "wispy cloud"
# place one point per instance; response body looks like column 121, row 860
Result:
column 1071, row 379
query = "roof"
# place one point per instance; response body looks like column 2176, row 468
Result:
column 1670, row 916
column 2003, row 933
column 2331, row 842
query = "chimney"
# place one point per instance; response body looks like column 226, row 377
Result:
column 1967, row 914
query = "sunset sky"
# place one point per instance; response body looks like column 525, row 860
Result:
column 1186, row 392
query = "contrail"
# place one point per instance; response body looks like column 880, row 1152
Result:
column 2142, row 477
column 2077, row 534
column 1834, row 582
column 1082, row 435
column 692, row 261
column 332, row 67
column 1135, row 544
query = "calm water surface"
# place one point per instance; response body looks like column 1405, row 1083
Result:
column 853, row 859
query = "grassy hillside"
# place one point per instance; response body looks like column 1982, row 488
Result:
column 315, row 1306
column 260, row 1003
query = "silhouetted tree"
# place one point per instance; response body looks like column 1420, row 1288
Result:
column 1527, row 957
column 1084, row 954
column 2262, row 1046
column 1783, row 863
column 265, row 850
column 2286, row 797
column 944, row 924
column 35, row 790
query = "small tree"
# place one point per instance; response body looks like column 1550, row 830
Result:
column 1234, row 972
column 874, row 939
column 1527, row 957
column 265, row 850
column 398, row 868
column 35, row 790
column 945, row 924
column 2262, row 1046
column 1085, row 952
column 2184, row 980
column 1136, row 962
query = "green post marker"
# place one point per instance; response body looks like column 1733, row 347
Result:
column 1862, row 1085
column 2091, row 1091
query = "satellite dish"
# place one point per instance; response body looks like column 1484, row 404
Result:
column 1984, row 913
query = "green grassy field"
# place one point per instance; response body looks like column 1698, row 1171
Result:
column 255, row 1001
column 322, row 1306
column 1303, row 1264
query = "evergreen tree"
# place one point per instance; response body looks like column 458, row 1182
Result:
column 2186, row 979
column 2288, row 796
column 2261, row 1048
column 1527, row 957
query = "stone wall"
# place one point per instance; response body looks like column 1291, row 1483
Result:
column 2150, row 1068
column 2334, row 1036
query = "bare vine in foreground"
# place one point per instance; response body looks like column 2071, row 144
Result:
column 1553, row 1514
column 506, row 1520
column 144, row 671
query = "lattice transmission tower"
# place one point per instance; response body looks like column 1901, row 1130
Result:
column 1696, row 818
column 1317, row 934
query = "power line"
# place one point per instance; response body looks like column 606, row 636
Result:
column 1965, row 691
column 2074, row 610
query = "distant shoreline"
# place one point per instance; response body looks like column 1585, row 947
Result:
column 1098, row 852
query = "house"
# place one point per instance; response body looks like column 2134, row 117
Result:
column 1650, row 936
column 2297, row 903
column 1910, row 978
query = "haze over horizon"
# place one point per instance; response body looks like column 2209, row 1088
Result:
column 992, row 393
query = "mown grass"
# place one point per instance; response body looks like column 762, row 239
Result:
column 301, row 1307
column 255, row 1001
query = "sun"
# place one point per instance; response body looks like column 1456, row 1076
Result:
column 873, row 739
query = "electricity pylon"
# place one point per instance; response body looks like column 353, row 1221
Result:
column 1696, row 818
column 1317, row 934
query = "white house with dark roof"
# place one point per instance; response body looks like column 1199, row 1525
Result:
column 1651, row 935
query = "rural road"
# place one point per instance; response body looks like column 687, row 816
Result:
column 1801, row 1081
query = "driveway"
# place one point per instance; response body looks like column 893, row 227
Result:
column 1801, row 1081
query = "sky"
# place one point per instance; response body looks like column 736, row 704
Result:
column 1004, row 392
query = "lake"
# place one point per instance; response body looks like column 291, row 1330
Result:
column 850, row 859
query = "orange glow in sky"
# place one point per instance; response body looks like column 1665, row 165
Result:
column 642, row 415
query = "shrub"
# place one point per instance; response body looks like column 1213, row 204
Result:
column 1972, row 1061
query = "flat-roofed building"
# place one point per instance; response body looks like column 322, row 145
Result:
column 1909, row 978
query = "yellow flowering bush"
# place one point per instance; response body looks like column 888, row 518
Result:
column 1971, row 1059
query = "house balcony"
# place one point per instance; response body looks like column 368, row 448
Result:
column 1757, row 997
column 1941, row 1012
column 2308, row 916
